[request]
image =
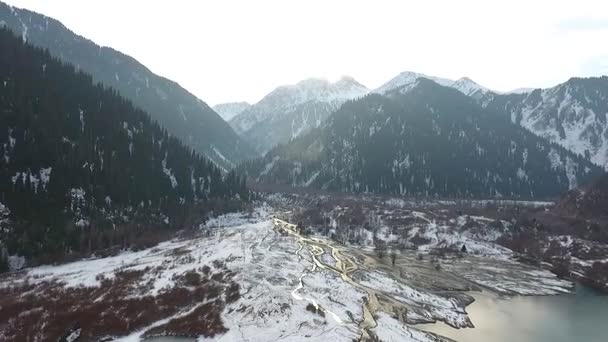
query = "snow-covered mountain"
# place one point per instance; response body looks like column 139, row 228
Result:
column 290, row 110
column 231, row 109
column 573, row 114
column 407, row 79
column 402, row 143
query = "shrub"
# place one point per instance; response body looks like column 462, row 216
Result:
column 317, row 310
column 233, row 293
column 192, row 278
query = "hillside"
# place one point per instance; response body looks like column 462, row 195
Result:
column 82, row 168
column 181, row 113
column 423, row 140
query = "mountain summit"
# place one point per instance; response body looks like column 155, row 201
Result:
column 290, row 110
column 408, row 79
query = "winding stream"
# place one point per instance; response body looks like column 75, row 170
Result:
column 578, row 317
column 344, row 267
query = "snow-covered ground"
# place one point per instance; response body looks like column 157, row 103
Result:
column 309, row 288
column 508, row 277
column 277, row 276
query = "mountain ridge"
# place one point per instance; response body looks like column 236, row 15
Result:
column 175, row 108
column 407, row 78
column 289, row 110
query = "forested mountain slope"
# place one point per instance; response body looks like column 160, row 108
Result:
column 423, row 140
column 181, row 113
column 79, row 162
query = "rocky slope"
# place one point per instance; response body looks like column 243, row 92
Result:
column 573, row 114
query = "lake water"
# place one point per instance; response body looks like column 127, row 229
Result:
column 582, row 316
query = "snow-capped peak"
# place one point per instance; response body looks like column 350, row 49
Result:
column 318, row 89
column 467, row 86
column 407, row 79
column 289, row 110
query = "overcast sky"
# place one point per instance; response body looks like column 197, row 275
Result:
column 230, row 50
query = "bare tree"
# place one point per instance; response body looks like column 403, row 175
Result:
column 380, row 248
column 393, row 256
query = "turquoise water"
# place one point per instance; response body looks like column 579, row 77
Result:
column 582, row 316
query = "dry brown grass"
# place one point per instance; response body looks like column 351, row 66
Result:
column 45, row 311
column 205, row 320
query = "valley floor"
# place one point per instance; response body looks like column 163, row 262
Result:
column 256, row 278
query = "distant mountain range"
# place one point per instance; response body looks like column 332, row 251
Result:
column 408, row 79
column 181, row 113
column 289, row 111
column 572, row 114
column 423, row 139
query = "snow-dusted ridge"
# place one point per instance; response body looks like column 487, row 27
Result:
column 291, row 110
column 408, row 78
column 573, row 115
column 289, row 96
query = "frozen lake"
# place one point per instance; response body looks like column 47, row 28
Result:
column 578, row 317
